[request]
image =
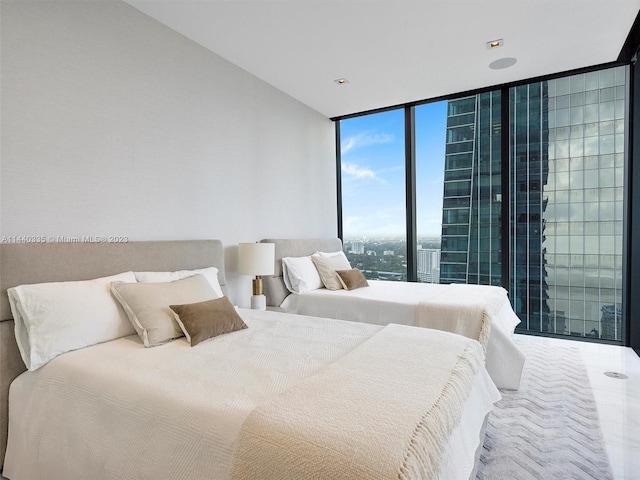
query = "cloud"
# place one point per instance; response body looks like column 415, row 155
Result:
column 364, row 140
column 361, row 173
column 387, row 221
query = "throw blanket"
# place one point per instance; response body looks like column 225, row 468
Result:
column 463, row 309
column 383, row 411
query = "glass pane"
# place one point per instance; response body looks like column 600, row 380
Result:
column 373, row 194
column 565, row 256
column 433, row 127
column 458, row 190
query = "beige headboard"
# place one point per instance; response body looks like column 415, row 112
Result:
column 274, row 287
column 56, row 262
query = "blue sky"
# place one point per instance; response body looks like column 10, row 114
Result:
column 373, row 183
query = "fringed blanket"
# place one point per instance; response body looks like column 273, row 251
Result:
column 383, row 411
column 463, row 309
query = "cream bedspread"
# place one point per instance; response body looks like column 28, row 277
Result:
column 119, row 410
column 410, row 303
column 387, row 413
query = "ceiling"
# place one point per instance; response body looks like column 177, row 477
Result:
column 397, row 51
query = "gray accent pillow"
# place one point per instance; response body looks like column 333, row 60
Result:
column 147, row 305
column 204, row 320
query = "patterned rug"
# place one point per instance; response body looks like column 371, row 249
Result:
column 549, row 429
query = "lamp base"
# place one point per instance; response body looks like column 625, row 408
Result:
column 257, row 285
column 258, row 302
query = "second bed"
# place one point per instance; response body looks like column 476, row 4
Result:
column 481, row 312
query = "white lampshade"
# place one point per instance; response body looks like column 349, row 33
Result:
column 256, row 258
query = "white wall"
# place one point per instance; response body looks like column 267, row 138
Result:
column 112, row 124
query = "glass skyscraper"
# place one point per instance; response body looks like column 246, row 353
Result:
column 472, row 192
column 566, row 170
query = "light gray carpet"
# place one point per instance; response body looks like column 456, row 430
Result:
column 548, row 429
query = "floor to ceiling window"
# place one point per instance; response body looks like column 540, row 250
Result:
column 566, row 171
column 373, row 194
column 567, row 190
column 430, row 142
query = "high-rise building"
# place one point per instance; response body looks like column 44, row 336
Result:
column 357, row 247
column 566, row 170
column 428, row 265
column 472, row 192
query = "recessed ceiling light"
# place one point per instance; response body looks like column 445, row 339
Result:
column 495, row 44
column 503, row 63
column 341, row 81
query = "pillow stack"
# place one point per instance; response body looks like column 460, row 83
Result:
column 192, row 306
column 147, row 305
column 329, row 270
column 58, row 317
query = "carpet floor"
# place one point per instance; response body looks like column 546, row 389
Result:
column 549, row 429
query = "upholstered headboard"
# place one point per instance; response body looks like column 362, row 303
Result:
column 274, row 287
column 56, row 262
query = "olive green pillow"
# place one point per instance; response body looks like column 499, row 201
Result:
column 204, row 320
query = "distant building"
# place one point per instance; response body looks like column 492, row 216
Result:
column 388, row 252
column 428, row 265
column 357, row 248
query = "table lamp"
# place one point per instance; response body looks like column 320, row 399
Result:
column 257, row 259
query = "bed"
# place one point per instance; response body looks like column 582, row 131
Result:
column 477, row 311
column 252, row 403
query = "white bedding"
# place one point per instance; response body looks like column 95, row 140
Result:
column 119, row 410
column 385, row 302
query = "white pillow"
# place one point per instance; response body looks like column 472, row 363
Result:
column 54, row 318
column 327, row 266
column 210, row 273
column 300, row 274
